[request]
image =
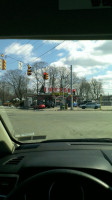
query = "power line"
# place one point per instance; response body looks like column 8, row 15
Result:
column 27, row 53
column 35, row 48
column 37, row 57
column 50, row 50
column 22, row 47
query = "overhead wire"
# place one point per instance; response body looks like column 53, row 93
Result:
column 49, row 50
column 38, row 47
column 21, row 48
column 23, row 51
column 38, row 56
column 43, row 54
column 15, row 58
column 35, row 48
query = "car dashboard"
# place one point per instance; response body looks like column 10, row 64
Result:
column 29, row 160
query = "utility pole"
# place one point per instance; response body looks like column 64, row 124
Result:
column 63, row 87
column 71, row 90
column 100, row 101
column 26, row 99
column 44, row 86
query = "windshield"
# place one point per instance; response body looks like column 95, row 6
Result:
column 53, row 89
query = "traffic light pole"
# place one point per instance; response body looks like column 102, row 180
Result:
column 63, row 87
column 71, row 90
column 44, row 86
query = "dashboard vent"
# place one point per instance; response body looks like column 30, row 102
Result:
column 14, row 161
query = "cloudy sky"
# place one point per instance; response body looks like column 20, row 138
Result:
column 90, row 59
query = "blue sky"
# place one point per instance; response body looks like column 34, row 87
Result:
column 90, row 59
column 29, row 51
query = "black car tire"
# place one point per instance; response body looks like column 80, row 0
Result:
column 96, row 107
column 83, row 107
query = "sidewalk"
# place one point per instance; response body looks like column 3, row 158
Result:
column 103, row 108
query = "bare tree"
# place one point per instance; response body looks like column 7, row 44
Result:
column 61, row 77
column 5, row 93
column 53, row 75
column 37, row 73
column 96, row 88
column 17, row 81
column 85, row 89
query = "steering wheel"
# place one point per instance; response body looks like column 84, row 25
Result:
column 99, row 189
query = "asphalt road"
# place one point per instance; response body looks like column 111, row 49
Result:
column 62, row 124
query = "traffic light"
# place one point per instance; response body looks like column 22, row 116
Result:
column 0, row 63
column 4, row 64
column 46, row 76
column 73, row 91
column 29, row 70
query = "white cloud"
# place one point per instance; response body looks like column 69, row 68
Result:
column 87, row 57
column 32, row 59
column 82, row 72
column 106, row 80
column 84, row 54
column 60, row 54
column 59, row 63
column 25, row 51
column 52, row 41
column 104, row 48
column 107, row 76
column 18, row 49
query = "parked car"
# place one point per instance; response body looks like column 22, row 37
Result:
column 41, row 106
column 83, row 102
column 74, row 104
column 90, row 105
column 49, row 104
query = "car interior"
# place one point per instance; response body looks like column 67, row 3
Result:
column 55, row 169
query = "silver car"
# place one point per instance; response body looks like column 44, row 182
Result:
column 90, row 105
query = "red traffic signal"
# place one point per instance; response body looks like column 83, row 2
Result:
column 74, row 91
column 45, row 75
